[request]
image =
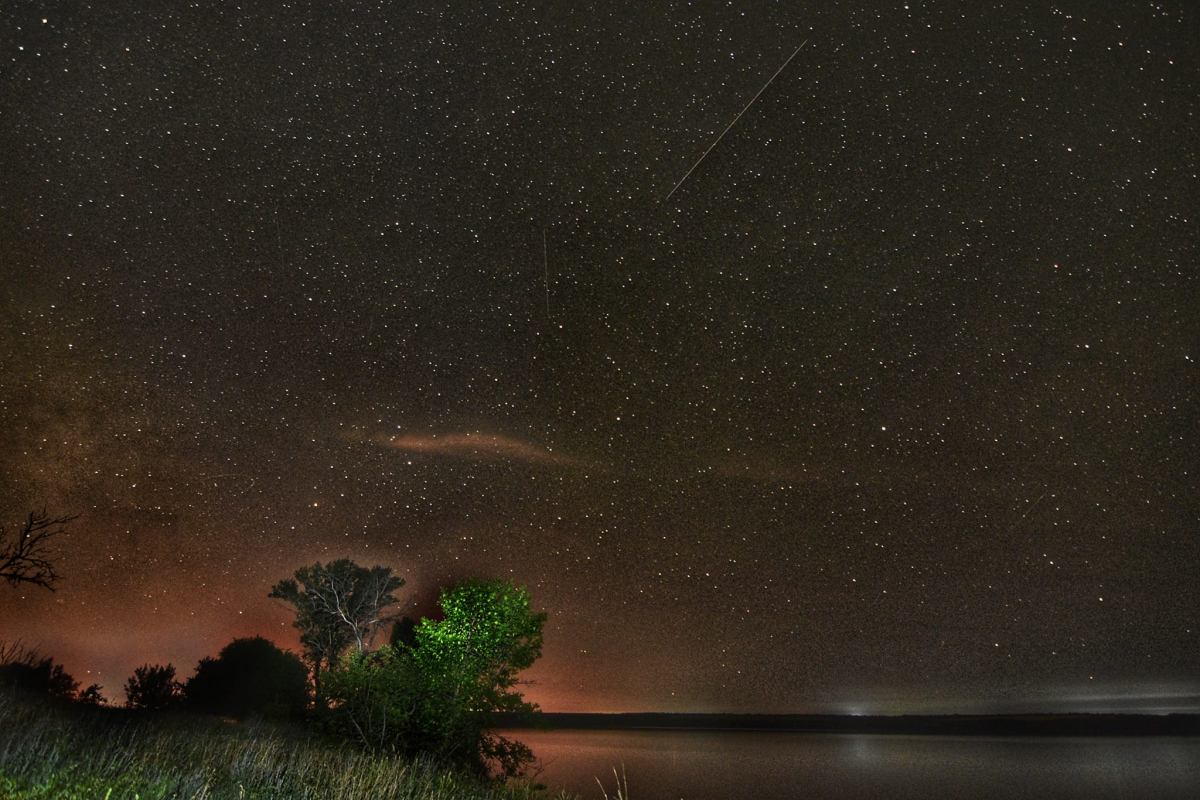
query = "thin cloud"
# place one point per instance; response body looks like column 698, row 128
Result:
column 474, row 447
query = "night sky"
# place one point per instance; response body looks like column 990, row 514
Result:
column 891, row 406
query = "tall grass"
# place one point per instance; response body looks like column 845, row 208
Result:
column 49, row 751
column 622, row 789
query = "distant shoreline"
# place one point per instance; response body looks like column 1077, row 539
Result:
column 928, row 725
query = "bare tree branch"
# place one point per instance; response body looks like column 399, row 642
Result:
column 337, row 605
column 27, row 558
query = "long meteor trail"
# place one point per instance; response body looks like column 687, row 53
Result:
column 546, row 267
column 735, row 119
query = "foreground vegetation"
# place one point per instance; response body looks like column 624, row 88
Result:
column 412, row 719
column 52, row 750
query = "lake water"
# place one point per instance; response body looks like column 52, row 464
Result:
column 668, row 765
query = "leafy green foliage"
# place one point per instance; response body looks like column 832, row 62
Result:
column 471, row 659
column 250, row 676
column 489, row 634
column 437, row 696
column 379, row 697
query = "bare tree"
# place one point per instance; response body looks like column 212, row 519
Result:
column 26, row 559
column 338, row 605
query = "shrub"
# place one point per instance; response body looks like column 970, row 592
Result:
column 28, row 670
column 439, row 695
column 153, row 688
column 249, row 676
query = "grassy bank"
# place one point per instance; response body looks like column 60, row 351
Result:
column 48, row 751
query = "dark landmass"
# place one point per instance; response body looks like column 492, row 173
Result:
column 926, row 725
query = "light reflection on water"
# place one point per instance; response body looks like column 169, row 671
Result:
column 716, row 765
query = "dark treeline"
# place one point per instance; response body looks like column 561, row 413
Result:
column 26, row 669
column 250, row 677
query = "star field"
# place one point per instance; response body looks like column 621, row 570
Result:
column 891, row 405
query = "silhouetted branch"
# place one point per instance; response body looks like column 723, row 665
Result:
column 27, row 558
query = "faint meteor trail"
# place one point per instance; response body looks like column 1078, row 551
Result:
column 1026, row 514
column 735, row 119
column 278, row 234
column 546, row 268
column 216, row 478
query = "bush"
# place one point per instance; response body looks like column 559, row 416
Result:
column 153, row 688
column 28, row 670
column 438, row 696
column 378, row 700
column 249, row 676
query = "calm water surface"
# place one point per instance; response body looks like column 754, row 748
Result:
column 668, row 765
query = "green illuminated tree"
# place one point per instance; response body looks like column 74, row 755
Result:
column 437, row 692
column 488, row 635
column 469, row 661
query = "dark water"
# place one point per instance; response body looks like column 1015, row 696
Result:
column 667, row 765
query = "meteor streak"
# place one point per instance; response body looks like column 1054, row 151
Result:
column 735, row 119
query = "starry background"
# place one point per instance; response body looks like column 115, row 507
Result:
column 891, row 406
